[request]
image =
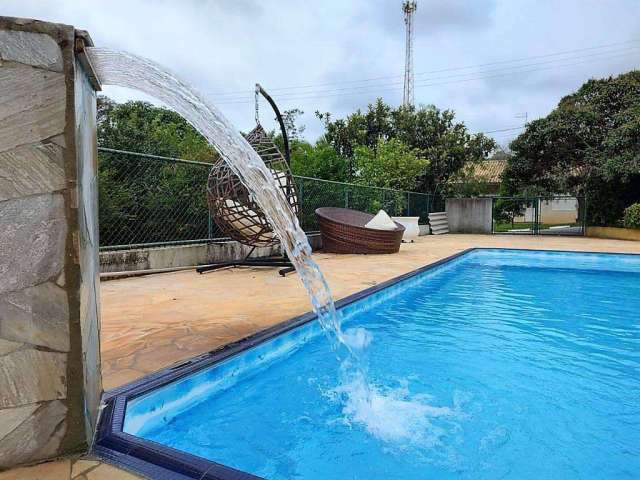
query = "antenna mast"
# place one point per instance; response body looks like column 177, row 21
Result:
column 408, row 7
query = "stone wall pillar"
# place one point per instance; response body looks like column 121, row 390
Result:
column 50, row 381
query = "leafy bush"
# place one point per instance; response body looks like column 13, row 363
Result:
column 632, row 216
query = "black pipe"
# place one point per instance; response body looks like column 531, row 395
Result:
column 285, row 138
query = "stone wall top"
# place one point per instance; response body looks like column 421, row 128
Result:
column 58, row 31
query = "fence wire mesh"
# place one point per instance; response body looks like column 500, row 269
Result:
column 555, row 215
column 151, row 200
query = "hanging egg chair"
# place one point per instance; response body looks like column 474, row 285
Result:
column 232, row 206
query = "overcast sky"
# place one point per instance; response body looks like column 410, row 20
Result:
column 330, row 49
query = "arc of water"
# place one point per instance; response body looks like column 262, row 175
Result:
column 362, row 400
column 127, row 70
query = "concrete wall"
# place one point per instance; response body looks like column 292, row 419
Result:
column 614, row 232
column 469, row 215
column 183, row 255
column 48, row 246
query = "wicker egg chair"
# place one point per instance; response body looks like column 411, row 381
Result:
column 233, row 208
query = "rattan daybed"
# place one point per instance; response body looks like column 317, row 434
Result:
column 343, row 231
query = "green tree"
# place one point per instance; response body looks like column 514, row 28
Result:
column 294, row 130
column 145, row 128
column 290, row 118
column 142, row 199
column 391, row 164
column 318, row 161
column 434, row 133
column 588, row 145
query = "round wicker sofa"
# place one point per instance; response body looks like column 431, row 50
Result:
column 343, row 231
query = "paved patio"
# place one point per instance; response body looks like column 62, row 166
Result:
column 151, row 322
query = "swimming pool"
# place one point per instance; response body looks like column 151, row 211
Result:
column 493, row 364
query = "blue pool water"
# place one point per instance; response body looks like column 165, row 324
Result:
column 498, row 364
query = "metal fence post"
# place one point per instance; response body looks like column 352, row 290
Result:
column 210, row 229
column 584, row 215
column 300, row 193
column 493, row 208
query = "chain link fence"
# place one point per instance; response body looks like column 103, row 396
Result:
column 149, row 200
column 555, row 215
column 315, row 193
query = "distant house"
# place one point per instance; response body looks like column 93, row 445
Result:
column 484, row 178
column 563, row 210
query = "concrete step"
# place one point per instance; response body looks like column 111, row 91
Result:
column 439, row 223
column 444, row 221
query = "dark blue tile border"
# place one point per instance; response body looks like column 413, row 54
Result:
column 160, row 462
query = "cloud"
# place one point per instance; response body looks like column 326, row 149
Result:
column 434, row 16
column 458, row 14
column 223, row 47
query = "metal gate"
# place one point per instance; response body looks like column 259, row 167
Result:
column 560, row 215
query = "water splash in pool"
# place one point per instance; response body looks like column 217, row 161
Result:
column 364, row 403
column 392, row 415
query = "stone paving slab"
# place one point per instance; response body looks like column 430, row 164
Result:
column 151, row 322
column 77, row 469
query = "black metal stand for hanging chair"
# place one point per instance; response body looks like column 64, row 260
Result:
column 254, row 262
column 232, row 207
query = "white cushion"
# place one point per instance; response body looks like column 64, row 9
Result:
column 381, row 221
column 238, row 216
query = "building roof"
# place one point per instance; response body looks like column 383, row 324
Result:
column 489, row 171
